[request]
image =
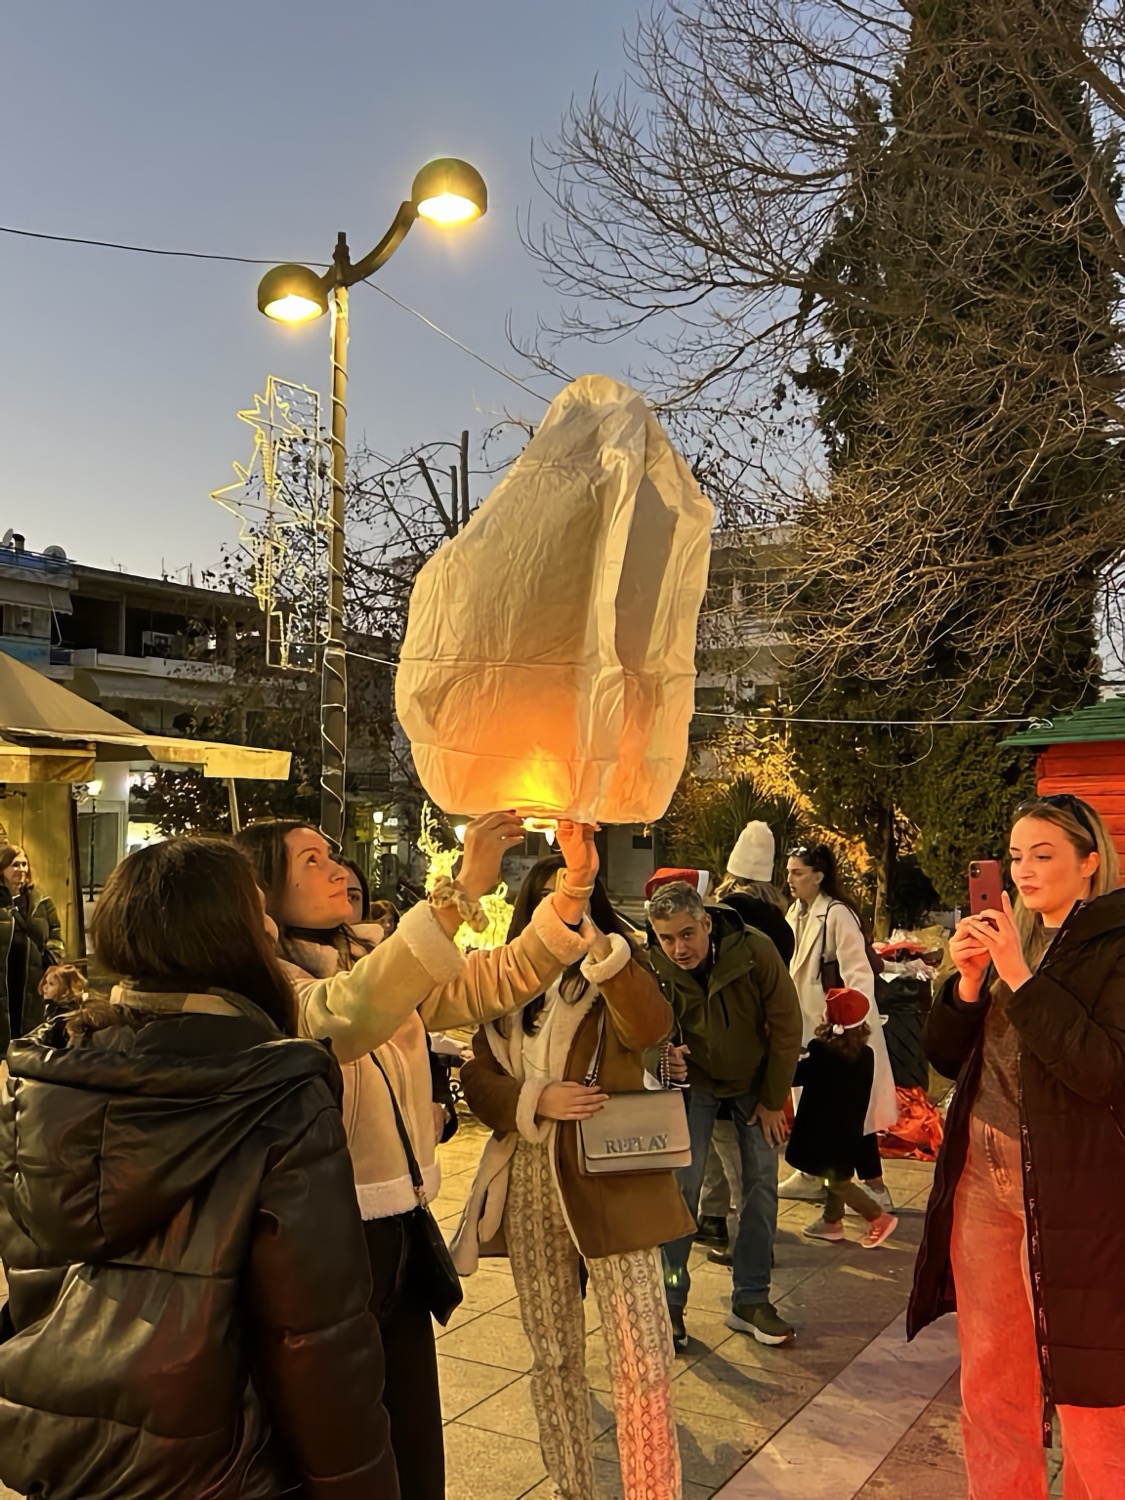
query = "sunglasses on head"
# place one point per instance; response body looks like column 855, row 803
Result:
column 812, row 854
column 1067, row 803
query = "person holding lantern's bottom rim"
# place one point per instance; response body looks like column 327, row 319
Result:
column 530, row 1081
column 373, row 995
column 1025, row 1229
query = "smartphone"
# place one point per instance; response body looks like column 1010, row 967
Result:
column 986, row 886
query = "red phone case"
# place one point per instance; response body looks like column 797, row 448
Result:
column 986, row 886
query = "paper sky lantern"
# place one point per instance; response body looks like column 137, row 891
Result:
column 549, row 658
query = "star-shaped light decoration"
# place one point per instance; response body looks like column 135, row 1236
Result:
column 280, row 501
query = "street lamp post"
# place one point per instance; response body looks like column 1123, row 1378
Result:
column 447, row 192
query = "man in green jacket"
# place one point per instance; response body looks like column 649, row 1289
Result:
column 738, row 1030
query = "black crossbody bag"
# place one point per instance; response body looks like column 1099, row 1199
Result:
column 427, row 1243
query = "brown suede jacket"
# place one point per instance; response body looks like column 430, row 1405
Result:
column 608, row 1215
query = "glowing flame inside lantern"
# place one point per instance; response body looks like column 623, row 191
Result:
column 546, row 826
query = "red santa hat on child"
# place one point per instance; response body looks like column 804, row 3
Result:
column 699, row 880
column 846, row 1009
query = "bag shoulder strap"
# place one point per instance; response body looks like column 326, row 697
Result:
column 414, row 1169
column 599, row 1052
column 825, row 956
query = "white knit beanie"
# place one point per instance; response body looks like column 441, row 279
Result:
column 752, row 857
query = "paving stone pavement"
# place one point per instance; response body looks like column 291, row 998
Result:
column 741, row 1408
column 734, row 1398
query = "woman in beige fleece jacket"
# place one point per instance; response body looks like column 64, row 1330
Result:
column 382, row 1000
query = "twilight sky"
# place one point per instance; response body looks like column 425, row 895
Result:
column 259, row 129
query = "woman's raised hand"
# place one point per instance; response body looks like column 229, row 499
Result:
column 996, row 932
column 569, row 1101
column 487, row 839
column 576, row 843
column 972, row 959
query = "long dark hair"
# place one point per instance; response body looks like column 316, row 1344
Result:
column 541, row 875
column 187, row 914
column 364, row 888
column 821, row 858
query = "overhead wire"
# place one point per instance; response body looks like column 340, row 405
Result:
column 751, row 718
column 250, row 260
column 496, row 369
column 704, row 713
column 75, row 239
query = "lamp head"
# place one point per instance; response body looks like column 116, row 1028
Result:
column 292, row 294
column 450, row 192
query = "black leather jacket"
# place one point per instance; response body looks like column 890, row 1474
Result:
column 188, row 1277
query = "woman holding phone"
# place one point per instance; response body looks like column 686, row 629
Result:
column 1025, row 1230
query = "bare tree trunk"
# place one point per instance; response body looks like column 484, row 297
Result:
column 884, row 873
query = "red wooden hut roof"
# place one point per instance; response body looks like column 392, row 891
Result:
column 1084, row 754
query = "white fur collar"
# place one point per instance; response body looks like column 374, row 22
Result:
column 562, row 1020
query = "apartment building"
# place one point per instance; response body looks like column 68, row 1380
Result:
column 169, row 657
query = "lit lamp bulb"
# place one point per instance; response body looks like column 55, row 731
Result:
column 460, row 831
column 448, row 208
column 449, row 191
column 292, row 294
column 292, row 309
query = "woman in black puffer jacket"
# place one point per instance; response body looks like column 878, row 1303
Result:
column 188, row 1277
column 1025, row 1231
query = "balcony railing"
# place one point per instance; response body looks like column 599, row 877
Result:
column 36, row 562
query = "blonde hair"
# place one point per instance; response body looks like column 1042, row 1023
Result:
column 759, row 890
column 1029, row 924
column 73, row 981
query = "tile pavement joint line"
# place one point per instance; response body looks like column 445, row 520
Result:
column 831, row 1447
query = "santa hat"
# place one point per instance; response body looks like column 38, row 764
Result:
column 752, row 857
column 846, row 1009
column 699, row 880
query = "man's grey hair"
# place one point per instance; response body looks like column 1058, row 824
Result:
column 675, row 899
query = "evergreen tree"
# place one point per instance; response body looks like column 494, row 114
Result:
column 960, row 372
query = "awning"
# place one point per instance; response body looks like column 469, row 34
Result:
column 48, row 733
column 216, row 759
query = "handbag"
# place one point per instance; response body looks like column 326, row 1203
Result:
column 642, row 1131
column 443, row 1285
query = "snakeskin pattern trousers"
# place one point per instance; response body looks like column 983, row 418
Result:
column 630, row 1296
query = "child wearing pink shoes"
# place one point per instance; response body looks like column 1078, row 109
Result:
column 835, row 1078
